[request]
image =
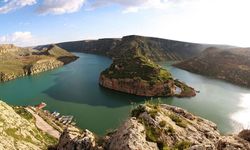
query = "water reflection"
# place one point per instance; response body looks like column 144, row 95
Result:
column 242, row 117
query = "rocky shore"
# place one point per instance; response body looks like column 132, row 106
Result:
column 157, row 126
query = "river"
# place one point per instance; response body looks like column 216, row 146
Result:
column 74, row 90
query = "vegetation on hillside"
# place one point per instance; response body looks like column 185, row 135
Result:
column 137, row 67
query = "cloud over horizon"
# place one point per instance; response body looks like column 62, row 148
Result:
column 18, row 38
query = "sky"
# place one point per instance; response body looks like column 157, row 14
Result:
column 36, row 22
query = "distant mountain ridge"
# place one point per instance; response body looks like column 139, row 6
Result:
column 156, row 49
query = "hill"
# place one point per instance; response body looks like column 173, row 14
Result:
column 17, row 62
column 232, row 65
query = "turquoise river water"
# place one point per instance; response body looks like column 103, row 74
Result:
column 74, row 90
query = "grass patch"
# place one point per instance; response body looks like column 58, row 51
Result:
column 178, row 121
column 12, row 133
column 23, row 113
column 153, row 134
column 137, row 66
column 182, row 145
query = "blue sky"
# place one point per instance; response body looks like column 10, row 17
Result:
column 33, row 22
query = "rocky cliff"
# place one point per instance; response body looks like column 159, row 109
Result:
column 232, row 65
column 158, row 126
column 18, row 130
column 17, row 62
column 133, row 72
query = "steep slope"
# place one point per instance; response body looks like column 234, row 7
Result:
column 155, row 48
column 18, row 131
column 232, row 65
column 134, row 73
column 158, row 126
column 17, row 62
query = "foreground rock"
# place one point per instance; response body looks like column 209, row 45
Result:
column 162, row 127
column 134, row 73
column 73, row 138
column 232, row 65
column 17, row 62
column 18, row 130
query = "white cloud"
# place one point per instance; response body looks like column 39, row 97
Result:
column 134, row 5
column 60, row 6
column 15, row 4
column 18, row 38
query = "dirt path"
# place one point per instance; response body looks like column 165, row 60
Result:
column 43, row 125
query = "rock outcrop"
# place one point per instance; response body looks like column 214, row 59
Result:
column 232, row 65
column 159, row 126
column 74, row 139
column 17, row 62
column 18, row 131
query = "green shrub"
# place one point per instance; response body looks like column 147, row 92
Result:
column 162, row 123
column 171, row 130
column 137, row 111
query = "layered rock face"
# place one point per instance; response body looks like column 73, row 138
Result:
column 18, row 131
column 17, row 62
column 232, row 65
column 160, row 126
column 139, row 87
column 134, row 73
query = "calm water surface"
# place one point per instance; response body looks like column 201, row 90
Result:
column 74, row 90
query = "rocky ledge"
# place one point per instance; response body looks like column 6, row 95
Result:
column 157, row 126
column 18, row 62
